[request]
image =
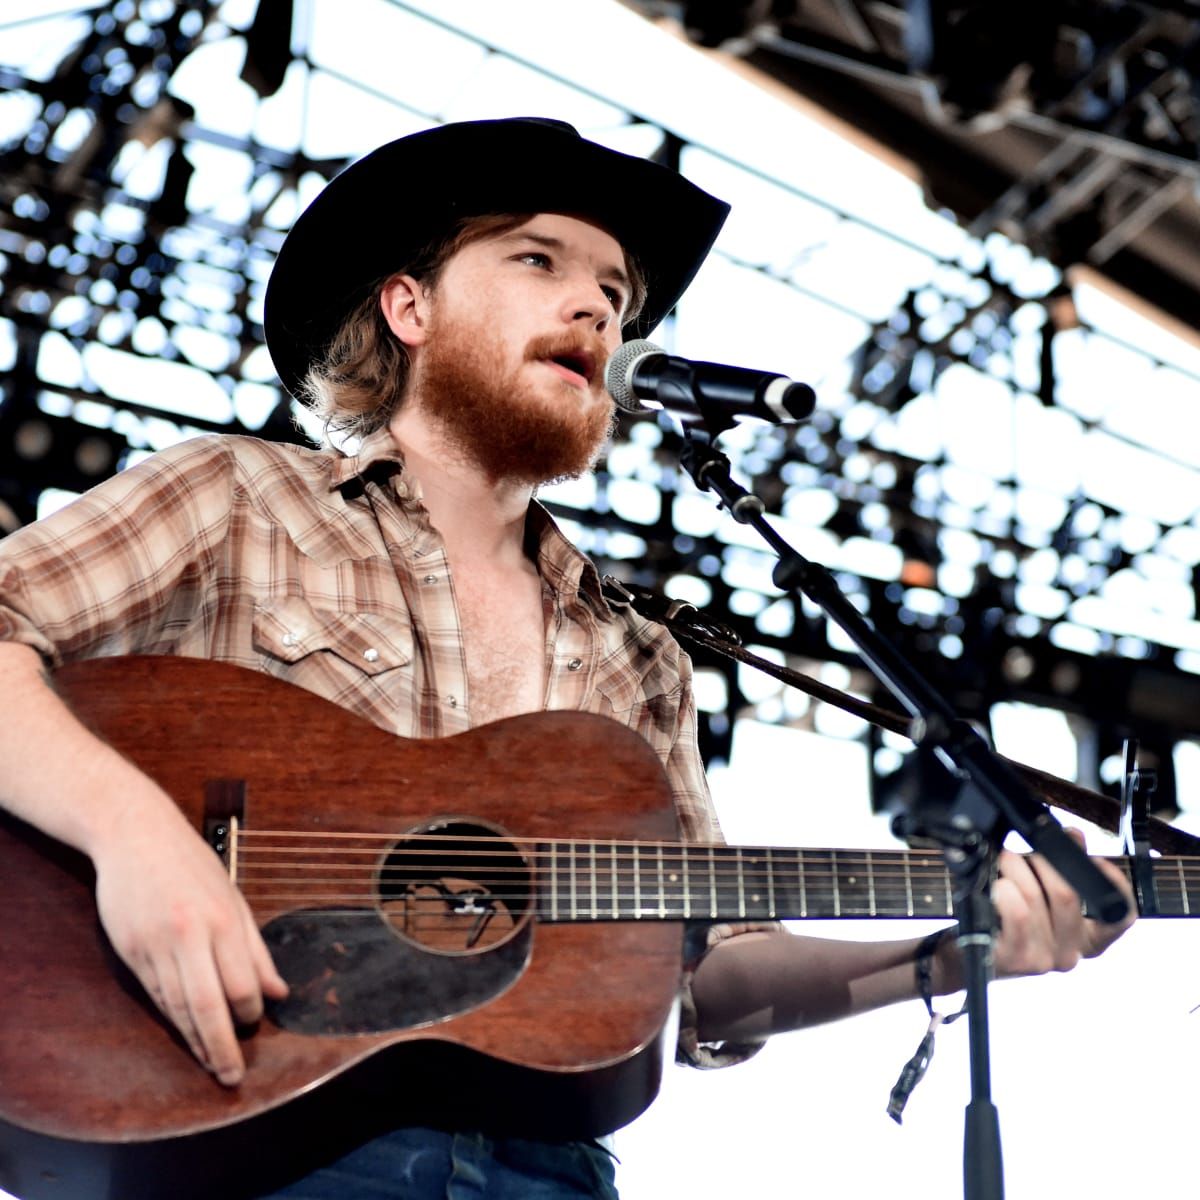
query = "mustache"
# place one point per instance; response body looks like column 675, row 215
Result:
column 570, row 343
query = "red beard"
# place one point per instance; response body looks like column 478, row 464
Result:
column 508, row 426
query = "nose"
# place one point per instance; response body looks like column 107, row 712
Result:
column 587, row 302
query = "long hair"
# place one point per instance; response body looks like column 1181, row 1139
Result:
column 360, row 380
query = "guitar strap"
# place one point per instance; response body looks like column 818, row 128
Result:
column 690, row 624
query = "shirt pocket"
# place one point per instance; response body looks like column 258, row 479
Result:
column 335, row 653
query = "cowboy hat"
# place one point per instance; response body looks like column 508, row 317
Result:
column 382, row 211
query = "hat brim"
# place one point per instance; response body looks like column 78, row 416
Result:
column 384, row 210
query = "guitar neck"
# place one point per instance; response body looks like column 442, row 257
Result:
column 629, row 881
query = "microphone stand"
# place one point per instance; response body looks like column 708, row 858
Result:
column 982, row 800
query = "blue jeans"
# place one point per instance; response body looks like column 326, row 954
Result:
column 429, row 1164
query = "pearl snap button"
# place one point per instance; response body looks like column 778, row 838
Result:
column 371, row 655
column 575, row 664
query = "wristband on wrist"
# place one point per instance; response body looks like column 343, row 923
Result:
column 914, row 1070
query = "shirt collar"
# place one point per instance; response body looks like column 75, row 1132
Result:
column 561, row 564
column 377, row 447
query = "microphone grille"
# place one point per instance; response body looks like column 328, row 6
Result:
column 618, row 373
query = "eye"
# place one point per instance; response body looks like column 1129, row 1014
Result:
column 615, row 297
column 535, row 257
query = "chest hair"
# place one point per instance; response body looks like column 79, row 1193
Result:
column 504, row 635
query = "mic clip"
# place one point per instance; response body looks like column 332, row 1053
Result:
column 663, row 609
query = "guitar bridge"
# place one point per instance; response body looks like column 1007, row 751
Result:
column 224, row 812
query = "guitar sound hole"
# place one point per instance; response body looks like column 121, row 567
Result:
column 455, row 887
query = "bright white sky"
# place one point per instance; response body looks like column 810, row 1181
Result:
column 1085, row 1066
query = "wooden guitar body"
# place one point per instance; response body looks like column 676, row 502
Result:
column 549, row 1029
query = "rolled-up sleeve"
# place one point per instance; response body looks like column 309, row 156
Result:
column 113, row 571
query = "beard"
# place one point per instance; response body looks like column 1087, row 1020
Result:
column 530, row 432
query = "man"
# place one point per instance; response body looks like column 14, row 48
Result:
column 450, row 300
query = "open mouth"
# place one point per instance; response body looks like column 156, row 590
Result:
column 578, row 363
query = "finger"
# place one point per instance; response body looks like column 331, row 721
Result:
column 1092, row 936
column 1041, row 920
column 270, row 981
column 1021, row 947
column 238, row 975
column 1018, row 870
column 164, row 987
column 1064, row 906
column 1102, row 934
column 205, row 999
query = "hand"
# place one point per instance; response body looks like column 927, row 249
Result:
column 176, row 920
column 1042, row 926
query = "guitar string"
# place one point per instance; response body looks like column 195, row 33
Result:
column 649, row 864
column 608, row 865
column 606, row 894
column 919, row 876
column 492, row 845
column 422, row 843
column 848, row 875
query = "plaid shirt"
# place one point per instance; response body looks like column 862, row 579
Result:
column 324, row 570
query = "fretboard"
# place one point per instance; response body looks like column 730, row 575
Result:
column 639, row 881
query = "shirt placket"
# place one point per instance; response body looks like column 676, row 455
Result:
column 571, row 654
column 420, row 562
column 444, row 630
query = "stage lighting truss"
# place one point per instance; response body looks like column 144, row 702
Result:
column 136, row 237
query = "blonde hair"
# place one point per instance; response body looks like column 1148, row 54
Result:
column 360, row 380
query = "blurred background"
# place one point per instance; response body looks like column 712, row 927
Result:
column 971, row 227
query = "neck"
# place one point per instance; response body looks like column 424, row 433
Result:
column 479, row 518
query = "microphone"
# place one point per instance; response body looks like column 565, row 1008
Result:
column 702, row 391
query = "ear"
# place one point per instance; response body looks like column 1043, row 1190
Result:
column 404, row 303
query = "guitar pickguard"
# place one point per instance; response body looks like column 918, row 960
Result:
column 349, row 973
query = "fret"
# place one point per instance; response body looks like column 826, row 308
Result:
column 887, row 886
column 554, row 881
column 820, row 887
column 755, row 884
column 854, row 884
column 727, row 897
column 575, row 901
column 931, row 876
column 770, row 883
column 625, row 886
column 1172, row 895
column 674, row 892
column 789, row 890
column 790, row 894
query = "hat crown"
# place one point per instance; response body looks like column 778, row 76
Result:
column 385, row 210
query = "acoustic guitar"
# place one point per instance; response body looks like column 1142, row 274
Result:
column 482, row 931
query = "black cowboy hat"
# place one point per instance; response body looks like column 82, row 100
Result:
column 382, row 211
